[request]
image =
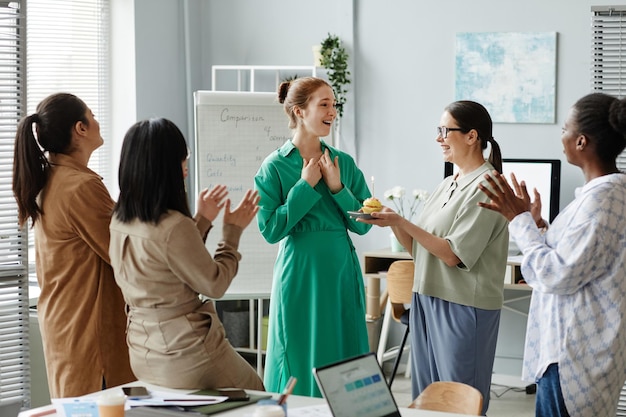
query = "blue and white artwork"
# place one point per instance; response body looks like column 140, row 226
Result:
column 512, row 74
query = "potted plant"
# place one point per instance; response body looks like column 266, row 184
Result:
column 334, row 59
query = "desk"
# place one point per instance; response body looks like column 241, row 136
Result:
column 294, row 401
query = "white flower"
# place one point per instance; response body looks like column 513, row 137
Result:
column 397, row 194
column 420, row 194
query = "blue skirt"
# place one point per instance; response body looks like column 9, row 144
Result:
column 452, row 342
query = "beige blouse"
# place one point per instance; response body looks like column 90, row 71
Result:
column 176, row 340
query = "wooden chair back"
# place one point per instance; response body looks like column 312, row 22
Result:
column 451, row 397
column 400, row 286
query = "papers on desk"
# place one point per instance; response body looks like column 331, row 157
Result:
column 165, row 399
column 73, row 407
column 87, row 407
column 319, row 410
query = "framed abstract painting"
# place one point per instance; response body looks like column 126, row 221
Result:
column 513, row 74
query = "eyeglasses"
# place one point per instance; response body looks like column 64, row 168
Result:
column 443, row 131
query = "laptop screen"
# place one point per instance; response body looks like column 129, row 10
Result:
column 356, row 387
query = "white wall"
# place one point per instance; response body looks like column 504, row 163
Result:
column 402, row 56
column 123, row 91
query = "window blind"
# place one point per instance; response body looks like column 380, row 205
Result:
column 14, row 314
column 68, row 51
column 608, row 50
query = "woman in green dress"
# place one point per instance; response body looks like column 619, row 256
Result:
column 317, row 309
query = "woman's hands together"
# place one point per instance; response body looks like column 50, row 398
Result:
column 330, row 172
column 311, row 172
column 325, row 167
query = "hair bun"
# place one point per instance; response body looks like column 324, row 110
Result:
column 283, row 89
column 617, row 115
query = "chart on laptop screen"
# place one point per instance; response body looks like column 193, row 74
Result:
column 357, row 387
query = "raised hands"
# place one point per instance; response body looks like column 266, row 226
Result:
column 311, row 171
column 245, row 211
column 325, row 167
column 508, row 202
column 211, row 202
column 330, row 172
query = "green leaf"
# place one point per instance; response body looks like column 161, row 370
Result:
column 335, row 61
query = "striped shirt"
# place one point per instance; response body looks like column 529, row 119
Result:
column 577, row 316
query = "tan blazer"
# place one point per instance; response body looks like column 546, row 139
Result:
column 176, row 340
column 81, row 309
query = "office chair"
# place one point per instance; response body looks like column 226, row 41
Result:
column 400, row 291
column 451, row 397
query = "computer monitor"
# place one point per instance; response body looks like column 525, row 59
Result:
column 543, row 174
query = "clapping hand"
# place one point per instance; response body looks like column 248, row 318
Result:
column 245, row 211
column 507, row 202
column 211, row 202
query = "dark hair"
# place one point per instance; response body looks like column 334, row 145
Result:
column 602, row 118
column 471, row 115
column 298, row 93
column 151, row 176
column 54, row 120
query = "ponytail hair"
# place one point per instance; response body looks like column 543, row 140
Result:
column 495, row 154
column 55, row 118
column 471, row 115
column 30, row 170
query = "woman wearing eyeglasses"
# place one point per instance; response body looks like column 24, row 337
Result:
column 460, row 254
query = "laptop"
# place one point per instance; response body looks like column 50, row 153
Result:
column 356, row 387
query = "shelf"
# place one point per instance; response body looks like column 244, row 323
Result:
column 250, row 77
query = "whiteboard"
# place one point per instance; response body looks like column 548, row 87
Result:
column 235, row 131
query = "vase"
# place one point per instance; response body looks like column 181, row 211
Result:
column 317, row 55
column 395, row 244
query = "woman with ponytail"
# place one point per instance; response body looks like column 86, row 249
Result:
column 460, row 253
column 80, row 308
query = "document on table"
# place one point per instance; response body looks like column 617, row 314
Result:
column 321, row 410
column 87, row 407
column 163, row 398
column 69, row 407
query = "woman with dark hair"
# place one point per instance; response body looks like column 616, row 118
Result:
column 317, row 312
column 576, row 338
column 460, row 256
column 161, row 264
column 80, row 308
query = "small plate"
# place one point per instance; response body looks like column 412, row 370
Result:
column 360, row 215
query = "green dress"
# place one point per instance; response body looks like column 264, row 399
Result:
column 317, row 308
